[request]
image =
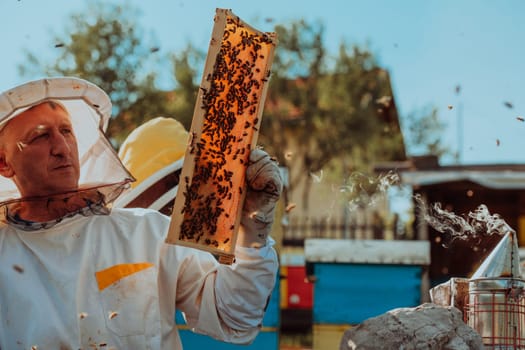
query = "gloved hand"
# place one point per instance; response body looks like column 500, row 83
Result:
column 264, row 189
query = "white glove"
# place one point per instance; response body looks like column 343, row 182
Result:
column 264, row 189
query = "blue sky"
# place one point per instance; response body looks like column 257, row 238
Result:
column 428, row 46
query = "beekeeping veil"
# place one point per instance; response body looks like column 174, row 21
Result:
column 90, row 109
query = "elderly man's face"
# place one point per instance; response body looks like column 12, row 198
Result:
column 39, row 151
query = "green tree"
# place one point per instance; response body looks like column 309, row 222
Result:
column 424, row 133
column 326, row 112
column 106, row 46
column 184, row 66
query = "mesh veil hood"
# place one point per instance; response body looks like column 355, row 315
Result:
column 90, row 109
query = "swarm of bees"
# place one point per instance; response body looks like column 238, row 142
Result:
column 224, row 130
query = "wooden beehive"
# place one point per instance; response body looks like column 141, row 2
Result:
column 225, row 126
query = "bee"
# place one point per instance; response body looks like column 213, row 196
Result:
column 290, row 207
column 18, row 268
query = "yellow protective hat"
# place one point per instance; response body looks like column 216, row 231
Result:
column 153, row 146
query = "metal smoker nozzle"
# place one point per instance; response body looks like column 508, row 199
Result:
column 503, row 261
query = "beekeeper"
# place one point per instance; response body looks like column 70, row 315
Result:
column 76, row 274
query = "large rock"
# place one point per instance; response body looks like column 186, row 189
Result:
column 428, row 326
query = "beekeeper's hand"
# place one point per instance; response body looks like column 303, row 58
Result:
column 264, row 189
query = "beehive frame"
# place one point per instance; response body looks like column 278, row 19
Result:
column 225, row 127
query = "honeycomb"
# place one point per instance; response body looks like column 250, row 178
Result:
column 224, row 129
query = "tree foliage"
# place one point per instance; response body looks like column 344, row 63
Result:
column 318, row 111
column 105, row 45
column 185, row 67
column 424, row 132
column 321, row 110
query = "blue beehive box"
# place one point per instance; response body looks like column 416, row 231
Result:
column 268, row 337
column 359, row 279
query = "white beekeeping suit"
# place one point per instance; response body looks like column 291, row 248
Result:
column 98, row 278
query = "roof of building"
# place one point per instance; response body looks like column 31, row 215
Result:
column 426, row 171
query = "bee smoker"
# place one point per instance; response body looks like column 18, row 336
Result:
column 496, row 300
